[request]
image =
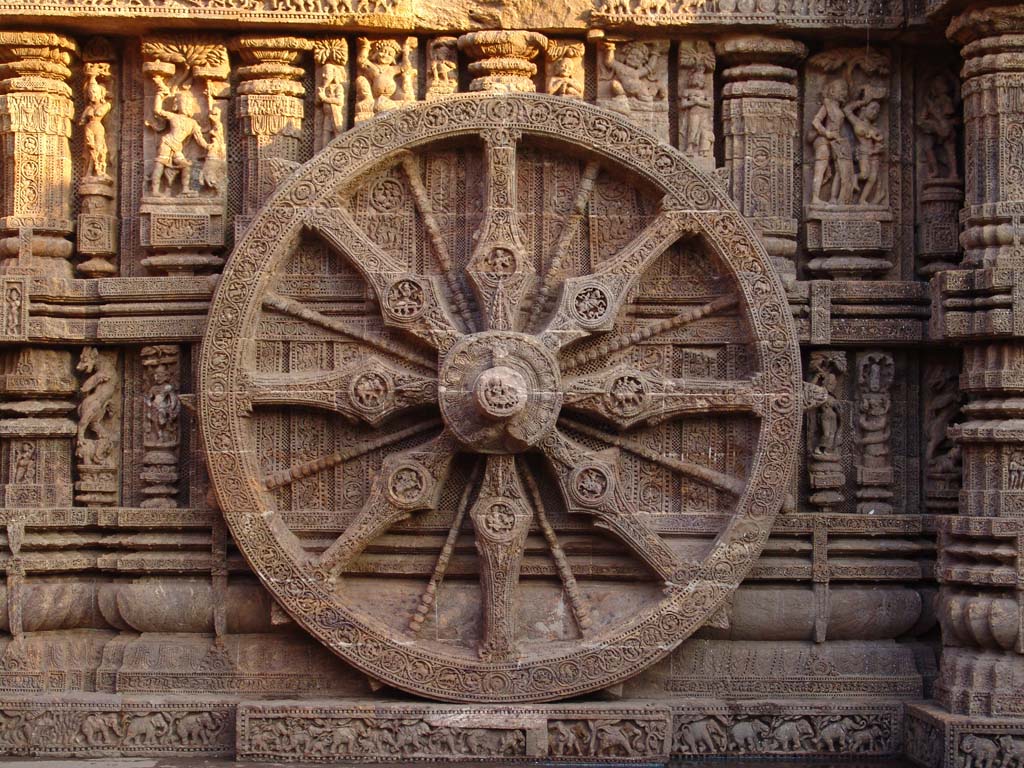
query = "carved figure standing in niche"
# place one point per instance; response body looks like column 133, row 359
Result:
column 826, row 369
column 377, row 85
column 444, row 65
column 13, row 319
column 862, row 115
column 937, row 119
column 162, row 404
column 96, row 410
column 182, row 126
column 331, row 95
column 97, row 107
column 833, row 156
column 214, row 173
column 24, row 462
column 695, row 107
column 634, row 74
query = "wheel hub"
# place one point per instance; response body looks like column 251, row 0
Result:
column 499, row 391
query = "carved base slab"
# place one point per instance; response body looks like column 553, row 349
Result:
column 788, row 728
column 937, row 739
column 380, row 731
column 95, row 725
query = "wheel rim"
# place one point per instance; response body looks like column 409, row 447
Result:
column 512, row 386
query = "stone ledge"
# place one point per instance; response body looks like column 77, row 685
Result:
column 937, row 739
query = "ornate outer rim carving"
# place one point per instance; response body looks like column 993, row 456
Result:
column 274, row 552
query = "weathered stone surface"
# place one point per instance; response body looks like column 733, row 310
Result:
column 626, row 379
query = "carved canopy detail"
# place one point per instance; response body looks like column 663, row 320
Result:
column 566, row 360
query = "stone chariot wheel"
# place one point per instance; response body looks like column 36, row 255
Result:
column 500, row 398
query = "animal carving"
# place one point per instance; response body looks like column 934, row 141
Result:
column 702, row 736
column 789, row 735
column 979, row 752
column 146, row 729
column 96, row 411
column 198, row 728
column 102, row 729
column 747, row 735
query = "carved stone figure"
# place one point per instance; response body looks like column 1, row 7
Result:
column 332, row 59
column 386, row 76
column 565, row 69
column 179, row 111
column 161, row 409
column 833, row 155
column 97, row 412
column 827, row 369
column 937, row 121
column 97, row 107
column 443, row 66
column 633, row 80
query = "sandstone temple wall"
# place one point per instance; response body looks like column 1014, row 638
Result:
column 409, row 380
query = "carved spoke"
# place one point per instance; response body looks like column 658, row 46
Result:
column 367, row 389
column 538, row 303
column 626, row 396
column 719, row 480
column 429, row 595
column 499, row 269
column 409, row 481
column 408, row 301
column 426, row 210
column 297, row 309
column 309, row 468
column 618, row 343
column 590, row 484
column 501, row 520
column 580, row 606
column 591, row 303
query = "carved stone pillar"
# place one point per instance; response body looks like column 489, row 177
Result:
column 35, row 128
column 270, row 112
column 981, row 550
column 183, row 211
column 502, row 59
column 761, row 132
